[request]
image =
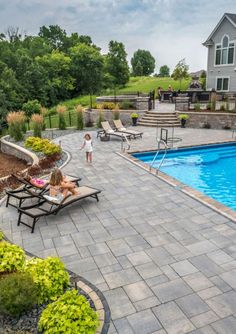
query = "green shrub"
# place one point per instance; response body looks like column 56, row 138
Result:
column 70, row 314
column 42, row 145
column 17, row 294
column 197, row 107
column 116, row 114
column 208, row 106
column 15, row 131
column 31, row 107
column 50, row 277
column 222, row 107
column 51, row 149
column 99, row 106
column 61, row 122
column 1, row 235
column 100, row 120
column 108, row 105
column 16, row 120
column 134, row 115
column 61, row 109
column 126, row 105
column 37, row 121
column 23, row 127
column 12, row 257
column 183, row 116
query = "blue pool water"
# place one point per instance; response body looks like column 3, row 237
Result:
column 210, row 169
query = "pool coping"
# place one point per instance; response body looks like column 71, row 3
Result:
column 193, row 193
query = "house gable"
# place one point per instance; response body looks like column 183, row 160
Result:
column 227, row 19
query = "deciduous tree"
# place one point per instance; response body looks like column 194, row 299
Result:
column 143, row 63
column 164, row 71
column 181, row 71
column 116, row 63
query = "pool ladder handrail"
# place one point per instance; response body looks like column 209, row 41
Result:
column 125, row 139
column 160, row 141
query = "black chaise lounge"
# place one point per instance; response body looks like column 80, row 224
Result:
column 108, row 131
column 49, row 206
column 29, row 190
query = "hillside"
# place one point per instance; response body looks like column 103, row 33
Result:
column 146, row 84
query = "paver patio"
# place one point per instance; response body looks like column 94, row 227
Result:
column 165, row 262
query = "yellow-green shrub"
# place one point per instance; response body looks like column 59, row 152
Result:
column 70, row 314
column 12, row 257
column 49, row 276
column 42, row 145
column 51, row 148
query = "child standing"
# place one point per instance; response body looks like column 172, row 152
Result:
column 88, row 145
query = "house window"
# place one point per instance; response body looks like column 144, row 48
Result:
column 224, row 52
column 222, row 84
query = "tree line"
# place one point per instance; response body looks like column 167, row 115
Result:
column 53, row 66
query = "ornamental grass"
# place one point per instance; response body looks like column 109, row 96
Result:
column 116, row 112
column 61, row 116
column 44, row 113
column 37, row 122
column 80, row 117
column 16, row 123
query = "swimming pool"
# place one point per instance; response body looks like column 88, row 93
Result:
column 210, row 169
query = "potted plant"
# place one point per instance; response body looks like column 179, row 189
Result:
column 183, row 118
column 134, row 118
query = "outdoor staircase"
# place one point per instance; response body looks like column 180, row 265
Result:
column 160, row 119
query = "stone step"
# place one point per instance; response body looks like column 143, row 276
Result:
column 161, row 119
column 161, row 113
column 159, row 125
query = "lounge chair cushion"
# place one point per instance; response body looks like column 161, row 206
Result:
column 52, row 199
column 110, row 131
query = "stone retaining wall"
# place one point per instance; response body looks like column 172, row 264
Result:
column 139, row 102
column 108, row 115
column 216, row 120
column 18, row 151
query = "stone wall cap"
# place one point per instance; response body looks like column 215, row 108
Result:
column 33, row 156
column 208, row 113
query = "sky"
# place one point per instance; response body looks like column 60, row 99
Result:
column 170, row 29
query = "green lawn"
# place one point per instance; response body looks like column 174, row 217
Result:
column 136, row 84
column 147, row 84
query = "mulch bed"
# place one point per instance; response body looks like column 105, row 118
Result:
column 10, row 164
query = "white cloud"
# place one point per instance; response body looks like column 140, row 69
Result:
column 169, row 29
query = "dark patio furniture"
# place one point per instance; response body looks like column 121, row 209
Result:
column 49, row 206
column 29, row 190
